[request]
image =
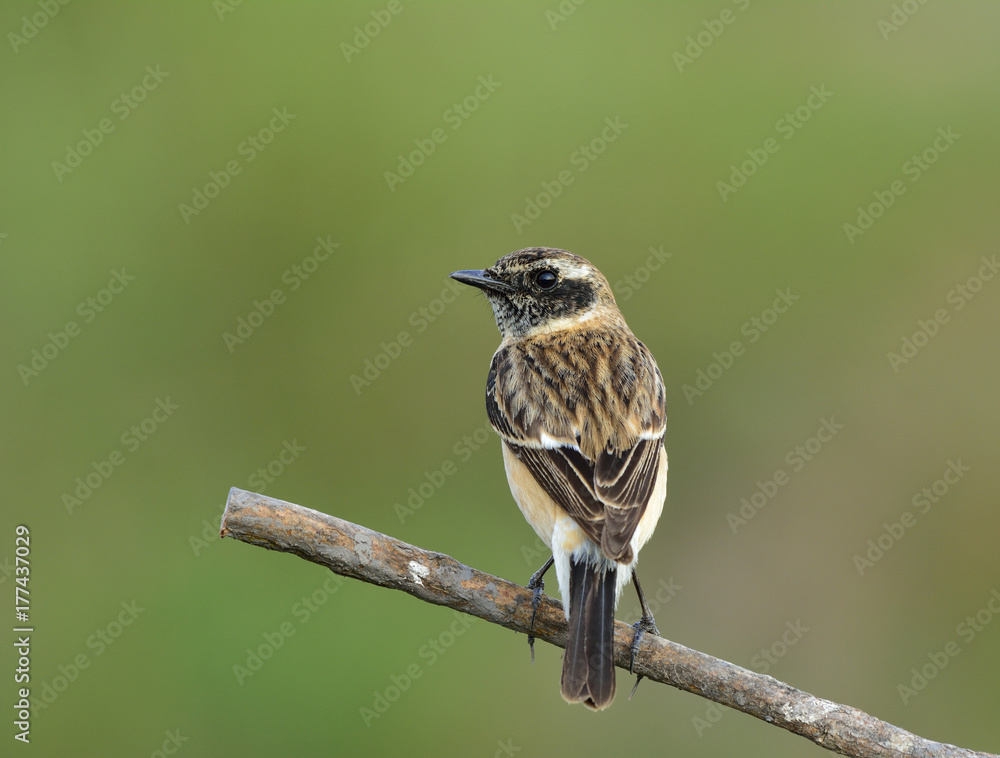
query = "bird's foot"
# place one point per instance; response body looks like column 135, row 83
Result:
column 536, row 585
column 643, row 625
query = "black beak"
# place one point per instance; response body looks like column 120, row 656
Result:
column 481, row 280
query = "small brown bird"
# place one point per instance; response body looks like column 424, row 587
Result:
column 579, row 404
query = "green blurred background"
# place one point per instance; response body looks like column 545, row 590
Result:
column 184, row 87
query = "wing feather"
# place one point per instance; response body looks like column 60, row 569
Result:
column 541, row 421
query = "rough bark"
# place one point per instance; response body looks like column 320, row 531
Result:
column 354, row 551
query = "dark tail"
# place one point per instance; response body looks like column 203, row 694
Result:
column 588, row 674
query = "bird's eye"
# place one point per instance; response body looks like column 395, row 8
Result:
column 546, row 279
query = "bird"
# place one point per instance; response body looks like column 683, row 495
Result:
column 580, row 407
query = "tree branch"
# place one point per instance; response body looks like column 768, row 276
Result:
column 360, row 553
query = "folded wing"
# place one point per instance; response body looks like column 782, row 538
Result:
column 606, row 494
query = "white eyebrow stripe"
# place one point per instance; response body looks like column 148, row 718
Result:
column 573, row 270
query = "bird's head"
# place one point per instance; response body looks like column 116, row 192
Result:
column 543, row 289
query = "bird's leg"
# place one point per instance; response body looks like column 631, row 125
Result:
column 644, row 624
column 536, row 585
